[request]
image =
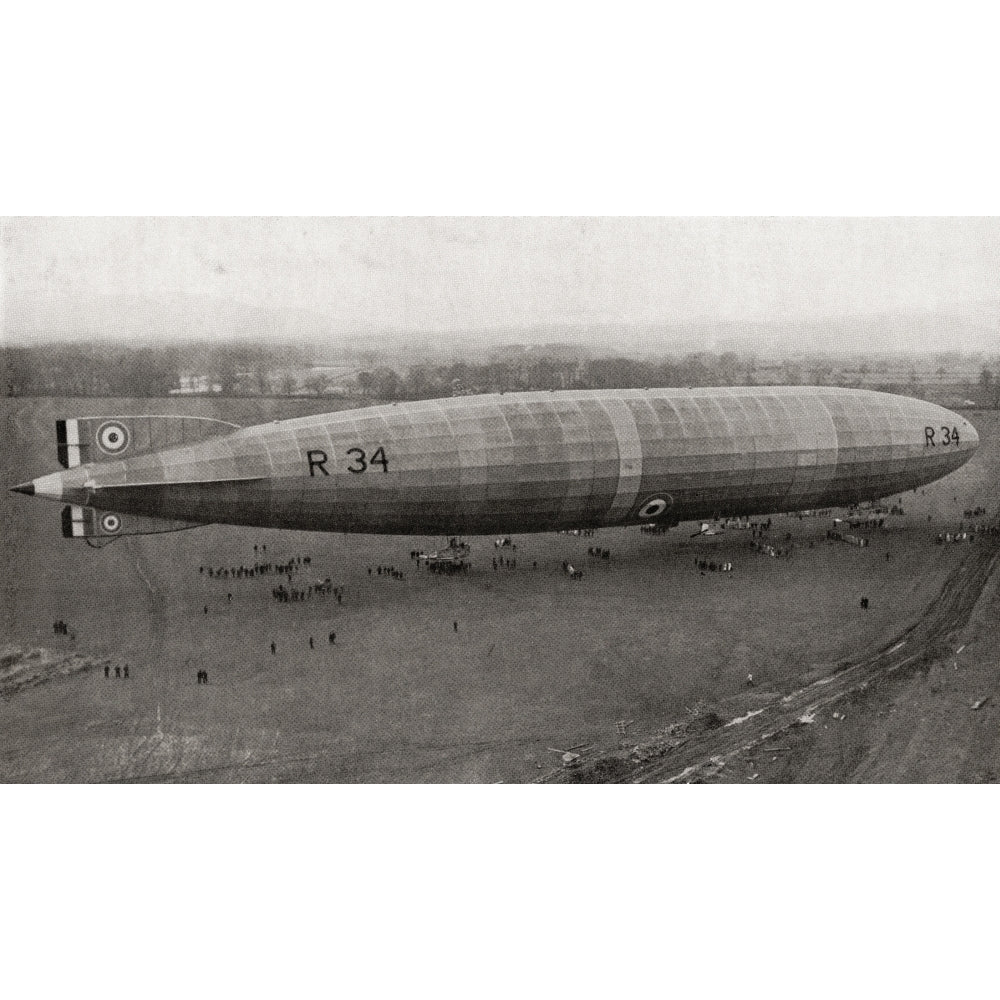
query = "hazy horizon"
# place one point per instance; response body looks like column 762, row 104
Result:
column 888, row 284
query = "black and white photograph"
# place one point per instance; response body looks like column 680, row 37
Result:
column 499, row 502
column 501, row 499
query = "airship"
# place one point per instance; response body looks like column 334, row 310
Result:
column 505, row 462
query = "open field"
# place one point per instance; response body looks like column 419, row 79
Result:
column 538, row 660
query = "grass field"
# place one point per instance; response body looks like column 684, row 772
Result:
column 538, row 660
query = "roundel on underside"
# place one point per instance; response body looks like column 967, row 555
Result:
column 654, row 507
column 112, row 437
column 111, row 523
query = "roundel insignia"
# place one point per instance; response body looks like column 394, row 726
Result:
column 112, row 437
column 653, row 507
column 111, row 523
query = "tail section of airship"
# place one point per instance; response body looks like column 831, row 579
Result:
column 83, row 440
column 86, row 522
column 534, row 461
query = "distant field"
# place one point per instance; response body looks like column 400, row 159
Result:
column 538, row 660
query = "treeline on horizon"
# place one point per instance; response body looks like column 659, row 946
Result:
column 253, row 369
column 116, row 369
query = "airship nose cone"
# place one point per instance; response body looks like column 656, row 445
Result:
column 971, row 436
column 50, row 487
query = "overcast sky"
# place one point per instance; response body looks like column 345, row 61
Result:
column 439, row 274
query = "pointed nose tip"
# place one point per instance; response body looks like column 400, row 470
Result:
column 28, row 489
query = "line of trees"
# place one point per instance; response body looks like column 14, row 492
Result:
column 424, row 381
column 251, row 369
column 115, row 369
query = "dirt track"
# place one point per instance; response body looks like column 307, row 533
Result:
column 690, row 752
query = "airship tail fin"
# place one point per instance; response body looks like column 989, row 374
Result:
column 85, row 522
column 105, row 439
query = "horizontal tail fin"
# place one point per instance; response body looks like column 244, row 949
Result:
column 105, row 439
column 85, row 522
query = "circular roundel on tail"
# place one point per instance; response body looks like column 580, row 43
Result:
column 112, row 437
column 111, row 523
column 654, row 507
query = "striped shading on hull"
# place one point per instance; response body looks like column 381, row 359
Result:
column 543, row 461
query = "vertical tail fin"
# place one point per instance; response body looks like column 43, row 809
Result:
column 86, row 522
column 104, row 439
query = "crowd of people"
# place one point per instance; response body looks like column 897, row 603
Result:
column 389, row 571
column 866, row 521
column 287, row 568
column 956, row 536
column 774, row 551
column 294, row 595
column 448, row 567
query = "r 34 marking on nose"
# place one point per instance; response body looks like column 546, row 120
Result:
column 949, row 435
